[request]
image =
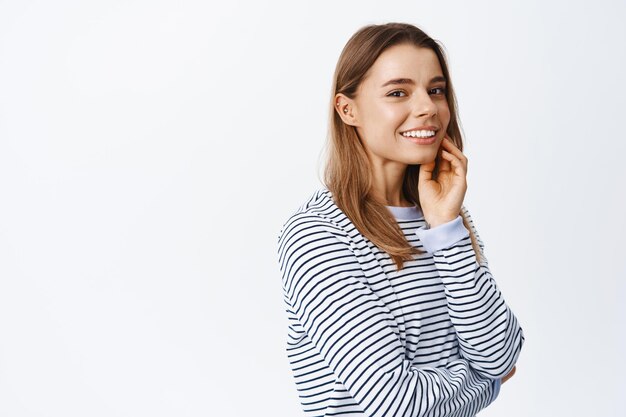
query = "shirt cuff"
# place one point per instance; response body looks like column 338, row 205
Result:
column 443, row 235
column 496, row 389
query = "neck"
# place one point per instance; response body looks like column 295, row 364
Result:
column 387, row 184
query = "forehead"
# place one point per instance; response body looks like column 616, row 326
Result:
column 404, row 61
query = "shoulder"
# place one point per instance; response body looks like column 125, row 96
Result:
column 312, row 244
column 311, row 231
column 317, row 214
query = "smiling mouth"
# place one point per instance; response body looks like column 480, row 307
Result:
column 427, row 140
column 426, row 133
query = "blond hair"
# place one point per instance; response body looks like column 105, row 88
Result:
column 347, row 173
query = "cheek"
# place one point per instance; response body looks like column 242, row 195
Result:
column 376, row 118
column 383, row 121
column 444, row 112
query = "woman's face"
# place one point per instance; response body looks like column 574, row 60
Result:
column 402, row 91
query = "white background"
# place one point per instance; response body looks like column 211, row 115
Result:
column 151, row 150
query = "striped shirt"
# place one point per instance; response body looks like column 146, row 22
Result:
column 363, row 339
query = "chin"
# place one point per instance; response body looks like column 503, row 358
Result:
column 425, row 157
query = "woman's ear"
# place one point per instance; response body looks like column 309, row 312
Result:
column 344, row 106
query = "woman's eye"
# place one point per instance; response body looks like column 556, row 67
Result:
column 436, row 90
column 394, row 92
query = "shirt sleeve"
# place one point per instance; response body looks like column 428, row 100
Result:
column 443, row 235
column 496, row 389
column 357, row 334
column 490, row 336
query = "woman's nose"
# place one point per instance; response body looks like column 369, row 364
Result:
column 423, row 105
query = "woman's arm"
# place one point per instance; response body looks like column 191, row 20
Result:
column 490, row 336
column 357, row 334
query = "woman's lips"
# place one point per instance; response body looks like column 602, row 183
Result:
column 421, row 141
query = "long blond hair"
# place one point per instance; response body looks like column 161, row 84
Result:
column 347, row 173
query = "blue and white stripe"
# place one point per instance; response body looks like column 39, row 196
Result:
column 433, row 339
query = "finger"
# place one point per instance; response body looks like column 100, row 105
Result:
column 426, row 171
column 452, row 148
column 444, row 164
column 457, row 165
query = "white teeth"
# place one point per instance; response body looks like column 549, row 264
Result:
column 419, row 133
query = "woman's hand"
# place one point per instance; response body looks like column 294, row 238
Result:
column 441, row 199
column 510, row 374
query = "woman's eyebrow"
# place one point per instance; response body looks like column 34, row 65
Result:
column 400, row 81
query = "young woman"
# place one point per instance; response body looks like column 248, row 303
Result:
column 392, row 308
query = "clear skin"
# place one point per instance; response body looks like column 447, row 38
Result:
column 379, row 113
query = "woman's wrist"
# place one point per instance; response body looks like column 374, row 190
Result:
column 434, row 222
